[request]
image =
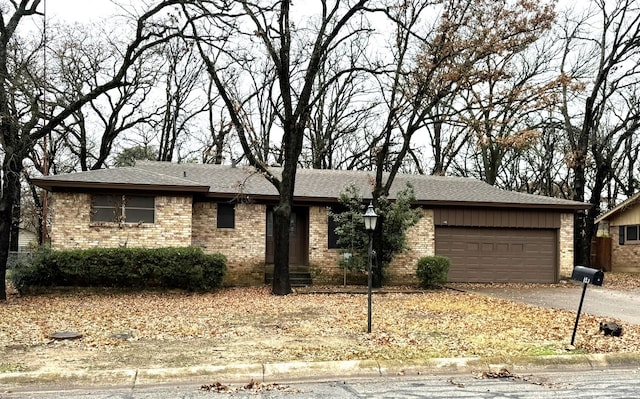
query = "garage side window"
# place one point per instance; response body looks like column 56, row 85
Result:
column 226, row 216
column 123, row 208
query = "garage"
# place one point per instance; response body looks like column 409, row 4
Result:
column 498, row 244
column 498, row 255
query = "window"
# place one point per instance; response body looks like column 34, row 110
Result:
column 332, row 224
column 331, row 233
column 123, row 208
column 630, row 234
column 226, row 216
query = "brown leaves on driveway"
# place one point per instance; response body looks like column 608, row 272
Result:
column 622, row 281
column 240, row 325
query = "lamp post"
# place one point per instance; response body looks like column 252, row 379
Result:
column 370, row 221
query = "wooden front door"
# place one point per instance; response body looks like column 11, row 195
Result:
column 298, row 236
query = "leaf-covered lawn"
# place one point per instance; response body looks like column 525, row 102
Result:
column 172, row 329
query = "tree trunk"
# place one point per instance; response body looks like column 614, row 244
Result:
column 377, row 272
column 580, row 225
column 11, row 169
column 15, row 224
column 281, row 219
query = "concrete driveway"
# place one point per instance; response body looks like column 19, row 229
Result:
column 598, row 301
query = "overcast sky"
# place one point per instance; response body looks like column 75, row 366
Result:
column 80, row 10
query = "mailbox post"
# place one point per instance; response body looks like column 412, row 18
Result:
column 588, row 276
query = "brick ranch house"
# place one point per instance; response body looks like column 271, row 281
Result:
column 490, row 235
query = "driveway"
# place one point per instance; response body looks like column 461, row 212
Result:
column 598, row 301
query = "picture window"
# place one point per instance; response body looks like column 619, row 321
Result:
column 123, row 208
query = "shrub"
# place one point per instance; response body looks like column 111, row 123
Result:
column 395, row 218
column 185, row 268
column 35, row 271
column 432, row 271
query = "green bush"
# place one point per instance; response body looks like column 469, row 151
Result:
column 432, row 271
column 36, row 272
column 185, row 268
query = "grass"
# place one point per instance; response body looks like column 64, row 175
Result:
column 11, row 367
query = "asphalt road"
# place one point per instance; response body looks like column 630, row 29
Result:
column 598, row 301
column 609, row 383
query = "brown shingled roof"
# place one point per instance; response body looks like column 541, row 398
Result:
column 311, row 185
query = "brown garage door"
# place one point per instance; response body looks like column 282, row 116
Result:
column 500, row 255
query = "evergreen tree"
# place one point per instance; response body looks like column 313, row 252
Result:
column 394, row 218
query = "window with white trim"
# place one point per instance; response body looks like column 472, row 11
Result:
column 629, row 234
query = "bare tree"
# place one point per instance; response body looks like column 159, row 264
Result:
column 344, row 113
column 451, row 53
column 237, row 38
column 80, row 58
column 182, row 99
column 501, row 110
column 600, row 71
column 23, row 119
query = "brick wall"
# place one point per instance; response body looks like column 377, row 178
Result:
column 71, row 227
column 244, row 245
column 624, row 258
column 179, row 223
column 324, row 262
column 421, row 241
column 565, row 247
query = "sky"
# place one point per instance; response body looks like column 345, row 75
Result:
column 78, row 10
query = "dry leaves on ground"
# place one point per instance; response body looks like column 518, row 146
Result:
column 622, row 281
column 171, row 329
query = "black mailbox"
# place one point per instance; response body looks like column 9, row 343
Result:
column 587, row 275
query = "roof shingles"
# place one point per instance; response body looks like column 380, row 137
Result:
column 311, row 184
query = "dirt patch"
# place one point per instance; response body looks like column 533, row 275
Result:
column 248, row 325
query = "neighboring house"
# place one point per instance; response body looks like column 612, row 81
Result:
column 490, row 234
column 618, row 241
column 21, row 246
column 27, row 240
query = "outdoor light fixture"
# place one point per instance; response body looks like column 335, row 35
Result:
column 370, row 218
column 370, row 221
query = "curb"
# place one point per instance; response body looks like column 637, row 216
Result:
column 326, row 370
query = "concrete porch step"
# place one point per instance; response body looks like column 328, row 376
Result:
column 300, row 276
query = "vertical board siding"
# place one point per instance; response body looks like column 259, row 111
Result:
column 497, row 218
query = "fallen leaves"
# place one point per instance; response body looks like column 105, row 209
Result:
column 622, row 281
column 253, row 387
column 502, row 373
column 174, row 329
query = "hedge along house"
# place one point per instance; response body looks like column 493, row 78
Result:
column 490, row 235
column 617, row 245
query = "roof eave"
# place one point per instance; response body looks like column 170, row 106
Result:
column 573, row 207
column 624, row 205
column 50, row 185
column 309, row 199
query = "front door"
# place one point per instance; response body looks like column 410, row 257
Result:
column 298, row 236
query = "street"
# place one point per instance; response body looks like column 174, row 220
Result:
column 609, row 383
